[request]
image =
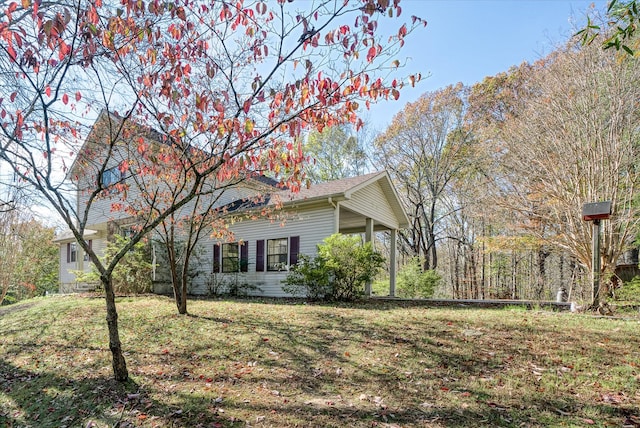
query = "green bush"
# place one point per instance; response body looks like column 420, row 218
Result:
column 630, row 291
column 414, row 283
column 133, row 273
column 339, row 272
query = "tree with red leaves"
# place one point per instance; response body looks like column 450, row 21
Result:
column 198, row 94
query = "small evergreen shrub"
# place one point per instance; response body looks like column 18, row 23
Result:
column 132, row 275
column 630, row 291
column 339, row 272
column 414, row 283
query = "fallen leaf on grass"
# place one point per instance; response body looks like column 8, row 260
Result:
column 472, row 333
column 611, row 399
column 632, row 422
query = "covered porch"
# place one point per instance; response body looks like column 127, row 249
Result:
column 350, row 223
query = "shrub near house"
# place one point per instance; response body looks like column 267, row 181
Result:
column 132, row 275
column 341, row 269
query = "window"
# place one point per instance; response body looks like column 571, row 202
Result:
column 111, row 176
column 72, row 252
column 231, row 257
column 86, row 256
column 277, row 253
column 127, row 232
column 280, row 253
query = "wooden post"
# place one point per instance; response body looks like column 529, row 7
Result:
column 596, row 262
column 368, row 237
column 392, row 263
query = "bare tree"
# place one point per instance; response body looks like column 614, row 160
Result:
column 424, row 149
column 575, row 141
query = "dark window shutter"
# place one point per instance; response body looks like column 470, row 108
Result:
column 260, row 255
column 68, row 252
column 216, row 258
column 244, row 257
column 294, row 249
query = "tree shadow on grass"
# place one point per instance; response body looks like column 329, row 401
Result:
column 47, row 399
column 212, row 319
column 291, row 378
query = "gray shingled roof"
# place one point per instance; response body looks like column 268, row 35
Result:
column 337, row 189
column 326, row 189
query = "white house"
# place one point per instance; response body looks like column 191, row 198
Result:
column 264, row 248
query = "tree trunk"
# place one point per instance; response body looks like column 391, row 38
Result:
column 456, row 273
column 543, row 253
column 432, row 235
column 182, row 308
column 3, row 293
column 175, row 278
column 514, row 276
column 119, row 364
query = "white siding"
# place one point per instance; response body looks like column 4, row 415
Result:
column 372, row 202
column 101, row 209
column 87, row 182
column 312, row 226
column 67, row 279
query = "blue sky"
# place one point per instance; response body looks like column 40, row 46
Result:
column 467, row 40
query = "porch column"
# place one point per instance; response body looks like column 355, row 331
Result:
column 392, row 263
column 368, row 237
column 336, row 218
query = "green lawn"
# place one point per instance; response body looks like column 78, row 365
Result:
column 271, row 364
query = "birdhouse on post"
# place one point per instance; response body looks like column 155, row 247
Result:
column 596, row 211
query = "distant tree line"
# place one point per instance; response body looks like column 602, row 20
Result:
column 494, row 176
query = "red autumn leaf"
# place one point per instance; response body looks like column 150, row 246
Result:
column 12, row 7
column 47, row 91
column 64, row 50
column 181, row 14
column 371, row 54
column 78, row 96
column 65, row 99
column 12, row 53
column 246, row 106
